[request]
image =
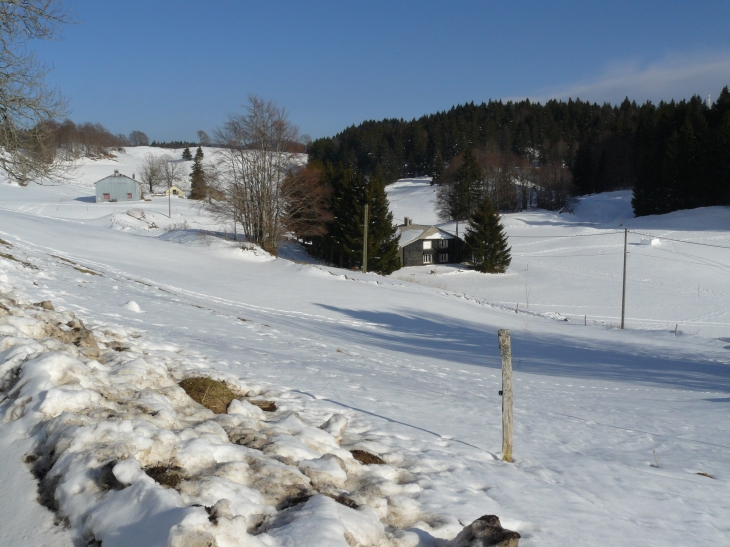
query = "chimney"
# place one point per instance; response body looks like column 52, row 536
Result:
column 406, row 221
column 116, row 172
column 133, row 176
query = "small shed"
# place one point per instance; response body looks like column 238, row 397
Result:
column 117, row 187
column 174, row 191
column 421, row 244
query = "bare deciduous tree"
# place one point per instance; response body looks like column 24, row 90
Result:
column 307, row 209
column 173, row 171
column 152, row 171
column 27, row 103
column 203, row 138
column 252, row 164
column 138, row 138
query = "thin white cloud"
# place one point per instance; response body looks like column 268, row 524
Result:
column 674, row 77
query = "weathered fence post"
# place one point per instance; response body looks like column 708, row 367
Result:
column 505, row 349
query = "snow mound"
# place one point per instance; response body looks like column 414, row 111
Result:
column 132, row 306
column 126, row 457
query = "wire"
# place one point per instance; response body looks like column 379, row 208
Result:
column 574, row 235
column 633, row 430
column 569, row 256
column 677, row 240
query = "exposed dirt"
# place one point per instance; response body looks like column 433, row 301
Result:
column 366, row 457
column 266, row 406
column 705, row 475
column 166, row 475
column 26, row 264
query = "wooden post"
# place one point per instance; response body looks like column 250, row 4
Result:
column 506, row 351
column 365, row 242
column 623, row 291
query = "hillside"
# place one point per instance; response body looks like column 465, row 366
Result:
column 612, row 428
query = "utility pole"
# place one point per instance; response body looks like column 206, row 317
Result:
column 169, row 205
column 623, row 292
column 365, row 242
column 458, row 261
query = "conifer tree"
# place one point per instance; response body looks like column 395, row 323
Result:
column 197, row 178
column 486, row 241
column 438, row 168
column 467, row 181
column 186, row 155
column 382, row 233
column 342, row 244
column 199, row 155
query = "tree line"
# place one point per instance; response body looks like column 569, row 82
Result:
column 683, row 155
column 562, row 148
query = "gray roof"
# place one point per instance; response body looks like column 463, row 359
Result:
column 413, row 232
column 116, row 178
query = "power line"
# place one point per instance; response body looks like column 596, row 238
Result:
column 574, row 235
column 678, row 240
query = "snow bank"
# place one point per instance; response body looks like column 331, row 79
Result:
column 125, row 457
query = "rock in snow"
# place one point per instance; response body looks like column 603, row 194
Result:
column 486, row 531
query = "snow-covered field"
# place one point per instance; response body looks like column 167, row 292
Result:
column 611, row 427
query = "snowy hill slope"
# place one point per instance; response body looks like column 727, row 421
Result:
column 571, row 264
column 611, row 427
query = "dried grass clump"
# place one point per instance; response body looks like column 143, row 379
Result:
column 212, row 394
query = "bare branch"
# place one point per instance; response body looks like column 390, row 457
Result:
column 27, row 103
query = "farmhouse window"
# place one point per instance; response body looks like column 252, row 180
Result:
column 443, row 243
column 427, row 259
column 129, row 196
column 426, row 245
column 444, row 257
column 106, row 196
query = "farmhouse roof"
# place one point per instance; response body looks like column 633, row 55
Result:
column 116, row 175
column 409, row 233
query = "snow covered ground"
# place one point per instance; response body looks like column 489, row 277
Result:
column 611, row 427
column 570, row 266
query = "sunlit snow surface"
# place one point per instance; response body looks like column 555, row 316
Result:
column 611, row 427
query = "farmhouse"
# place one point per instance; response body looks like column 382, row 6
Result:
column 420, row 244
column 117, row 187
column 174, row 191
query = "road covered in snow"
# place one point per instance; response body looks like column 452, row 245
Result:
column 616, row 431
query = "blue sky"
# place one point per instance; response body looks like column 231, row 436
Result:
column 169, row 68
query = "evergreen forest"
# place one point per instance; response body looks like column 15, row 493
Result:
column 674, row 155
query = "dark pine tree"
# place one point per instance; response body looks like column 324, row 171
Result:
column 340, row 244
column 582, row 169
column 186, row 155
column 199, row 155
column 382, row 233
column 438, row 168
column 466, row 183
column 197, row 179
column 486, row 241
